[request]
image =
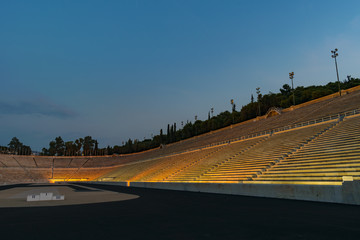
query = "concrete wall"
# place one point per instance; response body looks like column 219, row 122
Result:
column 348, row 193
column 122, row 184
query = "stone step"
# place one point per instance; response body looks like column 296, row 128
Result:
column 330, row 174
column 325, row 161
column 345, row 165
column 227, row 176
column 296, row 182
column 313, row 170
column 230, row 174
column 244, row 166
column 300, row 178
column 338, row 145
column 320, row 154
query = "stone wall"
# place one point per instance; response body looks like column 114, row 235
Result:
column 347, row 193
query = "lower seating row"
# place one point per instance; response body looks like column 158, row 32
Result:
column 330, row 159
column 156, row 167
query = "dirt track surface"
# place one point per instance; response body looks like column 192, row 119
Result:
column 74, row 195
column 162, row 214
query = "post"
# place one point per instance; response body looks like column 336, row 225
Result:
column 337, row 74
column 291, row 76
column 334, row 55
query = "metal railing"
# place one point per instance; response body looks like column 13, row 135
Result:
column 280, row 129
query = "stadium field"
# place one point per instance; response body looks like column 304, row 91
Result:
column 164, row 214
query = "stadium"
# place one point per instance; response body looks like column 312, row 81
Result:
column 307, row 152
column 179, row 119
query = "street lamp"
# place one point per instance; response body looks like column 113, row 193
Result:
column 291, row 76
column 334, row 55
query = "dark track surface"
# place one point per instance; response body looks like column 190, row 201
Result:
column 162, row 214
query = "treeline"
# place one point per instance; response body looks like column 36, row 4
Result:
column 80, row 147
column 16, row 147
column 254, row 108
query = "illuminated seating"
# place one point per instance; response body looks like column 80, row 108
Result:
column 227, row 152
column 262, row 156
column 327, row 159
column 124, row 173
column 63, row 173
column 88, row 174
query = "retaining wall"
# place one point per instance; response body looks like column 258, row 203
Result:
column 347, row 193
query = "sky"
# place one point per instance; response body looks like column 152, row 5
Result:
column 116, row 70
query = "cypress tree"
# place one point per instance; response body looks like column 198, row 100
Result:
column 168, row 134
column 172, row 133
column 161, row 136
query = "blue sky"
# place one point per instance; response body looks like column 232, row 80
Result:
column 124, row 69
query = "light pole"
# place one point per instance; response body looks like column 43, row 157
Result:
column 334, row 55
column 291, row 76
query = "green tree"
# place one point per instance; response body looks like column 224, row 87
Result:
column 88, row 145
column 70, row 148
column 52, row 148
column 168, row 134
column 285, row 90
column 59, row 146
column 78, row 145
column 161, row 136
column 15, row 145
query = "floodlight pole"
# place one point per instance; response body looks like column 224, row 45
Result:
column 291, row 76
column 334, row 55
